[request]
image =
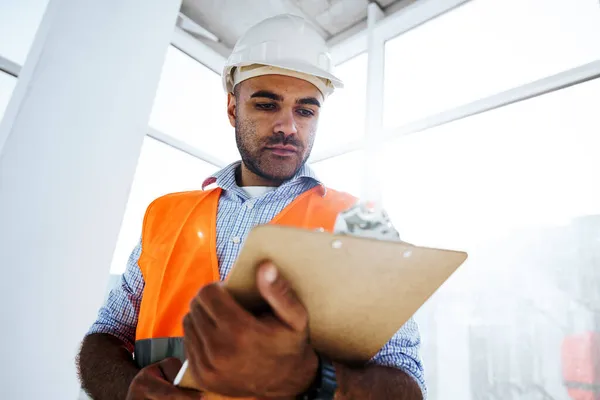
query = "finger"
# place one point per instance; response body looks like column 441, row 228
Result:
column 169, row 367
column 199, row 309
column 277, row 291
column 195, row 350
column 189, row 394
column 168, row 391
column 202, row 319
column 211, row 343
column 222, row 308
column 152, row 385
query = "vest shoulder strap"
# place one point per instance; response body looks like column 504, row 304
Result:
column 171, row 210
column 339, row 200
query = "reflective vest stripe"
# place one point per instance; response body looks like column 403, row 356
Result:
column 588, row 387
column 150, row 351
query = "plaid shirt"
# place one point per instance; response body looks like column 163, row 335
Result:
column 237, row 214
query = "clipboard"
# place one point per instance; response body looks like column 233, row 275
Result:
column 358, row 291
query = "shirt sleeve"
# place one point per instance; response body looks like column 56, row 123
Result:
column 119, row 314
column 402, row 351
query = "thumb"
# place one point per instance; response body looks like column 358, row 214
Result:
column 280, row 296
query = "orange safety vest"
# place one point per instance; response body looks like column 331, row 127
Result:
column 179, row 256
column 581, row 365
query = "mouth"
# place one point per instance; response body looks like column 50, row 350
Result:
column 282, row 150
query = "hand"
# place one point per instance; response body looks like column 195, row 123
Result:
column 155, row 382
column 231, row 352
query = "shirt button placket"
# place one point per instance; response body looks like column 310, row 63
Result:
column 236, row 234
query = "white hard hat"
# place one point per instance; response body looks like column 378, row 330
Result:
column 289, row 44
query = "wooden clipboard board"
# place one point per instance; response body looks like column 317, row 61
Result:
column 358, row 291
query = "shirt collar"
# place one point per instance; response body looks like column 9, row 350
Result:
column 225, row 178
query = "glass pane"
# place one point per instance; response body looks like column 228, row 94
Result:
column 342, row 172
column 518, row 189
column 343, row 115
column 161, row 169
column 19, row 21
column 485, row 47
column 191, row 105
column 7, row 85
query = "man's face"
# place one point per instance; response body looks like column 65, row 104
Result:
column 275, row 119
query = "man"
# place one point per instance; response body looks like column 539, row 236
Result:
column 170, row 304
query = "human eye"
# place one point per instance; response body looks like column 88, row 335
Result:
column 266, row 106
column 305, row 112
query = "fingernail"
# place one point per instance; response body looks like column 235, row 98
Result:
column 270, row 273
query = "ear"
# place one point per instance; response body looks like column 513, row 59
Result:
column 231, row 108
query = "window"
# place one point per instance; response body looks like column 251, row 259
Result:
column 343, row 116
column 7, row 85
column 19, row 21
column 161, row 169
column 191, row 105
column 518, row 189
column 482, row 48
column 342, row 172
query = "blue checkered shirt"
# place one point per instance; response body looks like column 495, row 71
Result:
column 236, row 215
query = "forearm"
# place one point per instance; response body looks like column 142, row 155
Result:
column 106, row 368
column 375, row 382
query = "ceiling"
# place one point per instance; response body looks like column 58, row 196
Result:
column 222, row 22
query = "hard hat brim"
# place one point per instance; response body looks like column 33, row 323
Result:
column 293, row 65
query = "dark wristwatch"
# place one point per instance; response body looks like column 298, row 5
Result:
column 325, row 383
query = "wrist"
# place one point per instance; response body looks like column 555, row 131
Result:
column 324, row 384
column 312, row 366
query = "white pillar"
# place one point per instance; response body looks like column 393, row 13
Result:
column 69, row 145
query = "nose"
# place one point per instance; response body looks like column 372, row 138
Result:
column 286, row 123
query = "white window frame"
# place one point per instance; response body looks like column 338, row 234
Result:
column 9, row 67
column 370, row 37
column 412, row 16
